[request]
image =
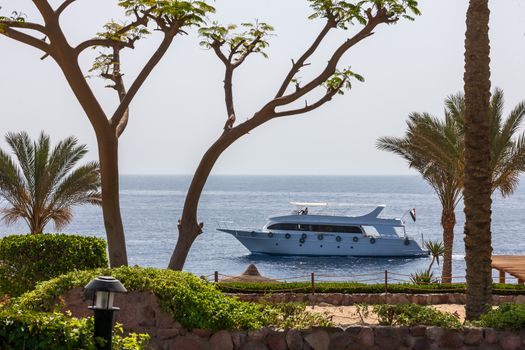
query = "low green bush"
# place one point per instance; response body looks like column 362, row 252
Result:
column 190, row 300
column 34, row 330
column 295, row 315
column 28, row 259
column 354, row 287
column 507, row 316
column 413, row 314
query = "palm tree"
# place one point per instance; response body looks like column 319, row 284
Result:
column 435, row 148
column 477, row 193
column 43, row 187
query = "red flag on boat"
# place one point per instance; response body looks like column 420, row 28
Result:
column 413, row 214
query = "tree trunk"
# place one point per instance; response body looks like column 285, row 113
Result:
column 448, row 221
column 109, row 176
column 107, row 142
column 188, row 226
column 477, row 182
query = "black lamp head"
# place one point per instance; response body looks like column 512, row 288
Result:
column 105, row 284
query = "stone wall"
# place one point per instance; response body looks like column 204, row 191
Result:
column 141, row 313
column 341, row 299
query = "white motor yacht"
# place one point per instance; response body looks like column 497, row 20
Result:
column 329, row 235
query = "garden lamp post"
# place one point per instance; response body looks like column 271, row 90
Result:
column 103, row 289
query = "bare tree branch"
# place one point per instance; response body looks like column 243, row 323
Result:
column 62, row 7
column 247, row 53
column 330, row 24
column 144, row 73
column 45, row 10
column 101, row 42
column 27, row 39
column 216, row 46
column 307, row 108
column 25, row 25
column 331, row 66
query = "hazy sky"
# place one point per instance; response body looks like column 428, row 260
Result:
column 411, row 66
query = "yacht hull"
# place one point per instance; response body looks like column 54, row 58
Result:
column 326, row 244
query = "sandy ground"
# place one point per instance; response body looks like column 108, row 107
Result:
column 347, row 315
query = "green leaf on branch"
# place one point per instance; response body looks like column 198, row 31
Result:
column 341, row 80
column 184, row 13
column 344, row 13
column 240, row 41
column 123, row 33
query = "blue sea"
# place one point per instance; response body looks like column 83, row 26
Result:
column 151, row 206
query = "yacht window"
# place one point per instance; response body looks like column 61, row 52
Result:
column 370, row 231
column 289, row 227
column 400, row 231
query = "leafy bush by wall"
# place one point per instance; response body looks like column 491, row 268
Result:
column 33, row 330
column 413, row 315
column 28, row 259
column 190, row 300
column 506, row 317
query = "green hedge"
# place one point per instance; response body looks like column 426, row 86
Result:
column 507, row 316
column 28, row 259
column 33, row 330
column 353, row 287
column 190, row 300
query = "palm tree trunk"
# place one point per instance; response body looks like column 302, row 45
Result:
column 448, row 221
column 477, row 190
column 109, row 176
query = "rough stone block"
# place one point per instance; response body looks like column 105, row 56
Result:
column 366, row 337
column 276, row 341
column 221, row 340
column 388, row 338
column 418, row 331
column 238, row 338
column 188, row 342
column 434, row 333
column 341, row 340
column 203, row 333
column 254, row 345
column 509, row 341
column 294, row 340
column 167, row 333
column 451, row 339
column 490, row 335
column 318, row 340
column 473, row 336
column 258, row 335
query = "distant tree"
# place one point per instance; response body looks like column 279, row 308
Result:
column 233, row 45
column 477, row 192
column 40, row 184
column 435, row 148
column 170, row 17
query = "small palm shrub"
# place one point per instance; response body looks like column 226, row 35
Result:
column 423, row 277
column 40, row 185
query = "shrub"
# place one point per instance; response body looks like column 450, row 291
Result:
column 354, row 287
column 294, row 315
column 34, row 330
column 413, row 314
column 28, row 259
column 506, row 317
column 190, row 300
column 423, row 277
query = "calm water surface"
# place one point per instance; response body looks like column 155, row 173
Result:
column 151, row 206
